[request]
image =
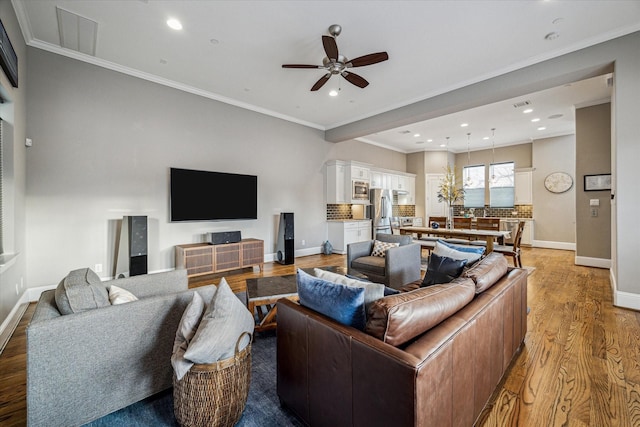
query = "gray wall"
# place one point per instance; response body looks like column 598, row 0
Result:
column 593, row 141
column 554, row 214
column 14, row 164
column 103, row 143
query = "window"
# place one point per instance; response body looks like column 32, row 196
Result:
column 473, row 179
column 502, row 185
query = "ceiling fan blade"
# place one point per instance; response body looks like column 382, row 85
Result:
column 301, row 66
column 355, row 79
column 321, row 82
column 372, row 58
column 330, row 47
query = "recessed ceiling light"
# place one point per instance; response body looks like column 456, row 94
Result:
column 464, row 125
column 415, row 135
column 535, row 120
column 333, row 92
column 541, row 128
column 527, row 111
column 443, row 145
column 485, row 138
column 429, row 140
column 174, row 24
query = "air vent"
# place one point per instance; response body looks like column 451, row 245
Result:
column 521, row 104
column 404, row 132
column 76, row 32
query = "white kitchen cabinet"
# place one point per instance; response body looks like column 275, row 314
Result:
column 376, row 179
column 527, row 233
column 524, row 188
column 410, row 187
column 359, row 173
column 335, row 179
column 342, row 233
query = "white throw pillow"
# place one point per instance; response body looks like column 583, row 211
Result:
column 120, row 296
column 186, row 330
column 446, row 251
column 223, row 323
column 372, row 291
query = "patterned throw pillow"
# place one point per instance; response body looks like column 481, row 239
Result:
column 379, row 248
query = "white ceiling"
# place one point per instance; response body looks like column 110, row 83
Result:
column 232, row 51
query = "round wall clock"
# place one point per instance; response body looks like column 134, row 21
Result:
column 558, row 182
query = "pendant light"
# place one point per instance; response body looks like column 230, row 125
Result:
column 468, row 181
column 493, row 154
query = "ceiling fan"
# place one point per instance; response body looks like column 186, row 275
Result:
column 334, row 63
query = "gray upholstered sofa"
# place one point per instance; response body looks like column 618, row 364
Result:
column 83, row 366
column 400, row 266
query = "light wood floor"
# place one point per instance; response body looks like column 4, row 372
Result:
column 580, row 365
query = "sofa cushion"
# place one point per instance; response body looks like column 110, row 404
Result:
column 370, row 264
column 120, row 296
column 79, row 291
column 184, row 334
column 442, row 269
column 380, row 248
column 222, row 324
column 397, row 319
column 488, row 271
column 372, row 291
column 470, row 253
column 344, row 304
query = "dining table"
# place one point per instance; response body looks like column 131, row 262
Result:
column 488, row 235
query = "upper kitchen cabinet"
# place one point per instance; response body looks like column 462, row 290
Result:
column 376, row 179
column 335, row 172
column 344, row 181
column 407, row 194
column 524, row 187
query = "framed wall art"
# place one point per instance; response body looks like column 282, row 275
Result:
column 597, row 182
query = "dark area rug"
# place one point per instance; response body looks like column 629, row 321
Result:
column 262, row 409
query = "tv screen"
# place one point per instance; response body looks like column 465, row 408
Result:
column 212, row 196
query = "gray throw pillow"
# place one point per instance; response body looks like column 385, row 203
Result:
column 79, row 291
column 184, row 334
column 223, row 322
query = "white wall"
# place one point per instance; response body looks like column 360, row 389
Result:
column 103, row 143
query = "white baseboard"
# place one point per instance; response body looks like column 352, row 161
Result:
column 623, row 299
column 592, row 262
column 566, row 246
column 13, row 318
column 299, row 253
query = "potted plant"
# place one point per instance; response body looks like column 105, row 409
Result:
column 449, row 193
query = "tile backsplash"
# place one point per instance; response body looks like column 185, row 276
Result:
column 518, row 211
column 345, row 211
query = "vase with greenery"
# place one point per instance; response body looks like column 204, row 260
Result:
column 449, row 193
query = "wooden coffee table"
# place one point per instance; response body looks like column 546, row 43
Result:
column 264, row 292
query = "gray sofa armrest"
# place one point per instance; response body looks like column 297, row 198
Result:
column 357, row 250
column 403, row 264
column 146, row 285
column 83, row 366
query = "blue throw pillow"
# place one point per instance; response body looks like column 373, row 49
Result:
column 442, row 270
column 344, row 304
column 464, row 248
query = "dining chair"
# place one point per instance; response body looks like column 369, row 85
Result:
column 441, row 220
column 487, row 223
column 461, row 222
column 513, row 250
column 429, row 242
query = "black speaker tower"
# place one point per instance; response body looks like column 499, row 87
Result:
column 137, row 245
column 286, row 240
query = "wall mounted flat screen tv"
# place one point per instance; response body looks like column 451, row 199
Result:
column 212, row 196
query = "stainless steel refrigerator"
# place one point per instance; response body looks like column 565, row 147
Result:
column 380, row 211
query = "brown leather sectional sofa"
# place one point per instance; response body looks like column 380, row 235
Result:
column 429, row 357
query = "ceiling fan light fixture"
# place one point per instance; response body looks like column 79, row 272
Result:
column 333, row 92
column 174, row 24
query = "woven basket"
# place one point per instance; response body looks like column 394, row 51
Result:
column 214, row 394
